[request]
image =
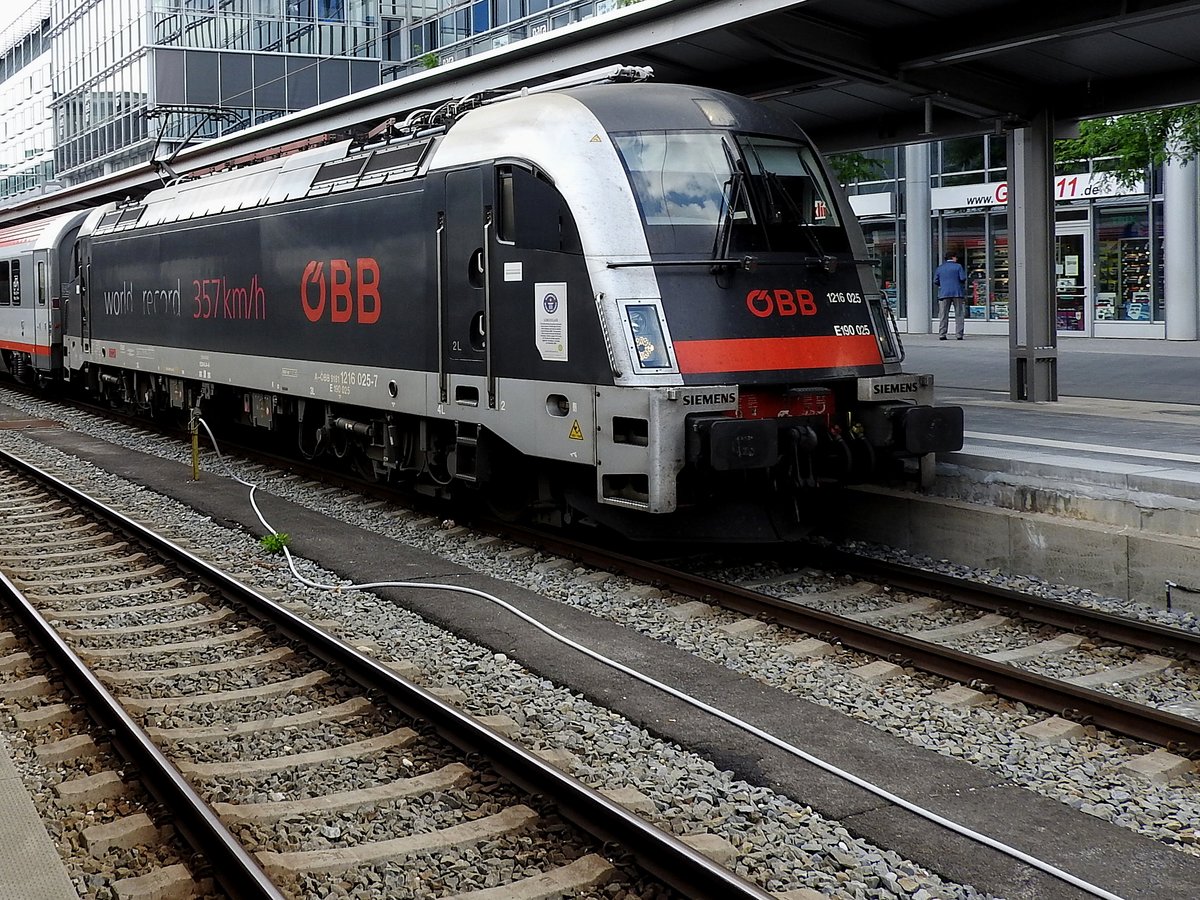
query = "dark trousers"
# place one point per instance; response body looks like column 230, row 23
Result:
column 960, row 310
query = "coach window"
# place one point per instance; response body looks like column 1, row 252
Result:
column 5, row 284
column 41, row 284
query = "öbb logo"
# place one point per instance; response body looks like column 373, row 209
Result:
column 781, row 302
column 351, row 292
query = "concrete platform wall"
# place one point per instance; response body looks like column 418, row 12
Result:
column 1112, row 532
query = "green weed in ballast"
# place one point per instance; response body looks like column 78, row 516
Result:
column 275, row 541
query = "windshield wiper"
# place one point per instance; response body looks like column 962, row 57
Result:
column 736, row 187
column 772, row 184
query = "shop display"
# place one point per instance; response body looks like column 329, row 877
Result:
column 999, row 298
column 1134, row 279
column 977, row 287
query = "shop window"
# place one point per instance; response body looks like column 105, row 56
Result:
column 881, row 245
column 997, row 300
column 1125, row 267
column 966, row 238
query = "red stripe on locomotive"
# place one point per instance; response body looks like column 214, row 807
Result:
column 772, row 354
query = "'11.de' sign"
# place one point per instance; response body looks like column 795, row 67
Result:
column 995, row 193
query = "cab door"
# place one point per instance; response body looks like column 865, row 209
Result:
column 466, row 233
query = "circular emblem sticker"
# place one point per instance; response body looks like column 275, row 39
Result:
column 550, row 302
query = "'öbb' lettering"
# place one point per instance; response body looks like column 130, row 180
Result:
column 350, row 293
column 764, row 303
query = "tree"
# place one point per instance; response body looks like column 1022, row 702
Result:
column 1127, row 145
column 851, row 167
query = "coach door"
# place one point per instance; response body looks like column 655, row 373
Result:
column 464, row 245
column 36, row 289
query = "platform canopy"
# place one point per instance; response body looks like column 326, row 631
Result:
column 855, row 74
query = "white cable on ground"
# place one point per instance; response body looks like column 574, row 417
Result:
column 887, row 795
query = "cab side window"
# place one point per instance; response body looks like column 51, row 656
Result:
column 532, row 213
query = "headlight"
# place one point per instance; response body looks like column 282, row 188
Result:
column 648, row 340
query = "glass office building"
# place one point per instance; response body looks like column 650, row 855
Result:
column 90, row 86
column 424, row 33
column 26, row 132
column 126, row 70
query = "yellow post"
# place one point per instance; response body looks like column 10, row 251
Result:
column 194, row 427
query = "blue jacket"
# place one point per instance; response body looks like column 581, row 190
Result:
column 951, row 280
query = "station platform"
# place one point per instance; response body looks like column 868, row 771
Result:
column 1133, row 401
column 1100, row 488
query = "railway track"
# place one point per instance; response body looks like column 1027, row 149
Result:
column 1010, row 672
column 237, row 713
column 896, row 593
column 547, row 573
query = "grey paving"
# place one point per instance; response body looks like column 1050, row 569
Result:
column 30, row 867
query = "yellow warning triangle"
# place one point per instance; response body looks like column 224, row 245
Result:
column 595, row 139
column 576, row 432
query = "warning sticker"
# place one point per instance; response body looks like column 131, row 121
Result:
column 550, row 320
column 576, row 432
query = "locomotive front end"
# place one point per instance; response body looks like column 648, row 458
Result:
column 764, row 314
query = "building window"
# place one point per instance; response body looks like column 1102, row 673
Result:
column 481, row 16
column 393, row 39
column 962, row 161
column 506, row 11
column 331, row 10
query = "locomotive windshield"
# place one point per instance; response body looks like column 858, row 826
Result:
column 710, row 192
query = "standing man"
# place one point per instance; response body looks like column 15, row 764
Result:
column 951, row 281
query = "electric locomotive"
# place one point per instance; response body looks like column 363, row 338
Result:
column 646, row 305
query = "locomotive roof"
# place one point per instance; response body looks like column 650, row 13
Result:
column 654, row 107
column 338, row 167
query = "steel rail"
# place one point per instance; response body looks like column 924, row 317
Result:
column 1161, row 639
column 235, row 869
column 1177, row 733
column 658, row 852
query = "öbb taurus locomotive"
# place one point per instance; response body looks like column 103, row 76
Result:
column 630, row 303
